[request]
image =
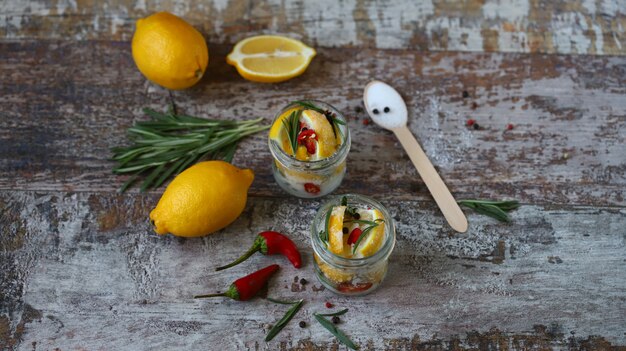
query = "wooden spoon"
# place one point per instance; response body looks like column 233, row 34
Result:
column 388, row 110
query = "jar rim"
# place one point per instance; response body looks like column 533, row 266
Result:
column 383, row 252
column 288, row 160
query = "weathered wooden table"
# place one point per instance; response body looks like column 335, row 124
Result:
column 81, row 269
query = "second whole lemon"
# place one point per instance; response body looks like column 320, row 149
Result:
column 203, row 199
column 169, row 51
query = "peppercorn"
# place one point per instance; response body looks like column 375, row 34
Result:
column 358, row 109
column 303, row 281
column 465, row 94
column 345, row 230
column 302, row 324
column 356, row 215
column 476, row 126
column 328, row 305
column 474, row 105
column 336, row 319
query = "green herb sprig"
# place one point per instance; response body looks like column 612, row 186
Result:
column 493, row 209
column 169, row 142
column 372, row 225
column 351, row 211
column 324, row 232
column 343, row 338
column 286, row 318
column 292, row 126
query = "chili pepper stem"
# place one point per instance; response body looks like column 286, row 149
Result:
column 209, row 295
column 255, row 247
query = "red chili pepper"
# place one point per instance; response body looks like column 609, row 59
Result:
column 307, row 138
column 354, row 236
column 349, row 287
column 307, row 134
column 270, row 243
column 509, row 126
column 311, row 188
column 310, row 146
column 247, row 287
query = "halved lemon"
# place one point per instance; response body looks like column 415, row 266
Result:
column 326, row 143
column 374, row 239
column 335, row 230
column 270, row 58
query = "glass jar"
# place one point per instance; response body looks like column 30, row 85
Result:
column 310, row 179
column 351, row 276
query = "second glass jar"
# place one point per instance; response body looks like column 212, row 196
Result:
column 316, row 178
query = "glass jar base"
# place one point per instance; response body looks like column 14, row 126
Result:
column 308, row 189
column 353, row 287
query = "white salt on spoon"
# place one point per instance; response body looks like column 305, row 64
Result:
column 388, row 110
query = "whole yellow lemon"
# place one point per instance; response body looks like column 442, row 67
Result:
column 169, row 51
column 203, row 199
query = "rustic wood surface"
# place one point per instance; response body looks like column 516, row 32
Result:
column 80, row 268
column 545, row 26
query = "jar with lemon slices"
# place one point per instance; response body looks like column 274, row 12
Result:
column 309, row 141
column 352, row 238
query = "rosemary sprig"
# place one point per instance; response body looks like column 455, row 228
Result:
column 344, row 201
column 292, row 125
column 343, row 338
column 168, row 143
column 362, row 221
column 351, row 211
column 339, row 313
column 324, row 233
column 366, row 231
column 286, row 318
column 331, row 117
column 493, row 209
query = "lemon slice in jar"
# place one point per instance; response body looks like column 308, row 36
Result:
column 326, row 144
column 374, row 239
column 335, row 230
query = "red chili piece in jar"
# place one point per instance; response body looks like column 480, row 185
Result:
column 354, row 236
column 307, row 138
column 351, row 288
column 311, row 188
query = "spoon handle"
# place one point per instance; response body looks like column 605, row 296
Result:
column 438, row 189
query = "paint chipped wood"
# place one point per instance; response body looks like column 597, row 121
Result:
column 567, row 27
column 569, row 114
column 81, row 269
column 80, row 277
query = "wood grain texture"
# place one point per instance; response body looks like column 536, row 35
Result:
column 59, row 119
column 84, row 271
column 81, row 269
column 544, row 26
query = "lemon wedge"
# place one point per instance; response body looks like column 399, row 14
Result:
column 335, row 230
column 270, row 58
column 326, row 143
column 278, row 132
column 374, row 239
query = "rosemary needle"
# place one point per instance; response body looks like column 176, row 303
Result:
column 168, row 143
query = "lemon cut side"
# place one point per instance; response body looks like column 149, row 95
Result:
column 270, row 58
